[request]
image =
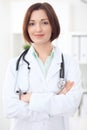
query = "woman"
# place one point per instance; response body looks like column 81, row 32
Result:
column 33, row 97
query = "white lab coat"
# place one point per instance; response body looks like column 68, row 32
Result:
column 46, row 110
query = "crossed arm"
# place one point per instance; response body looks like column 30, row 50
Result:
column 67, row 87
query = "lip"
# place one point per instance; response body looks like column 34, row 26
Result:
column 39, row 35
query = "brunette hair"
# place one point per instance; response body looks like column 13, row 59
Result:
column 54, row 22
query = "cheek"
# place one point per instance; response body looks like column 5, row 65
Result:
column 49, row 33
column 30, row 33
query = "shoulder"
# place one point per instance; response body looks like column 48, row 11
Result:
column 69, row 61
column 67, row 58
column 11, row 67
column 13, row 61
column 72, row 67
column 17, row 60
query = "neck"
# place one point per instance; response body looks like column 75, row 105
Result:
column 43, row 51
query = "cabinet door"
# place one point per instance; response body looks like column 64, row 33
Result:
column 75, row 47
column 83, row 49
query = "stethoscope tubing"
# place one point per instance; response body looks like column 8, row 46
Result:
column 60, row 84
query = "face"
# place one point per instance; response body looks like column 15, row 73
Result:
column 39, row 28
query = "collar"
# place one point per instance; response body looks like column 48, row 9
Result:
column 56, row 52
column 36, row 55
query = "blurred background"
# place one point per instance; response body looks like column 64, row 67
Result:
column 72, row 15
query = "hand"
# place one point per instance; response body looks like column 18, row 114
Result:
column 68, row 85
column 25, row 97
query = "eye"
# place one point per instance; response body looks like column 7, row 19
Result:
column 45, row 22
column 31, row 24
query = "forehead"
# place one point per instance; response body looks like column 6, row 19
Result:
column 38, row 14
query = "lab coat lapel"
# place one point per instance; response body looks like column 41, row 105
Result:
column 33, row 63
column 53, row 68
column 55, row 65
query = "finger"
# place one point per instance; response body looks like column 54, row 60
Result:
column 69, row 84
column 67, row 87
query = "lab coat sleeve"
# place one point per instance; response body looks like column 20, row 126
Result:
column 12, row 106
column 60, row 104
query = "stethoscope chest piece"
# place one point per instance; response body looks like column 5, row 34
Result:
column 61, row 83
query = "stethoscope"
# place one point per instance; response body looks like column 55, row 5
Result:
column 61, row 81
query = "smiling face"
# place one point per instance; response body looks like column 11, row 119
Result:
column 39, row 28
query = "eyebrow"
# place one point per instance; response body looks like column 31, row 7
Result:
column 41, row 20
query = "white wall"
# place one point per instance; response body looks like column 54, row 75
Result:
column 4, row 51
column 79, row 18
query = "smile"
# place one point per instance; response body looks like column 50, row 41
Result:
column 39, row 35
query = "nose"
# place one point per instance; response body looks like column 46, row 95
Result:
column 38, row 28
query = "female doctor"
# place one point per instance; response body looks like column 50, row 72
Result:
column 36, row 94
